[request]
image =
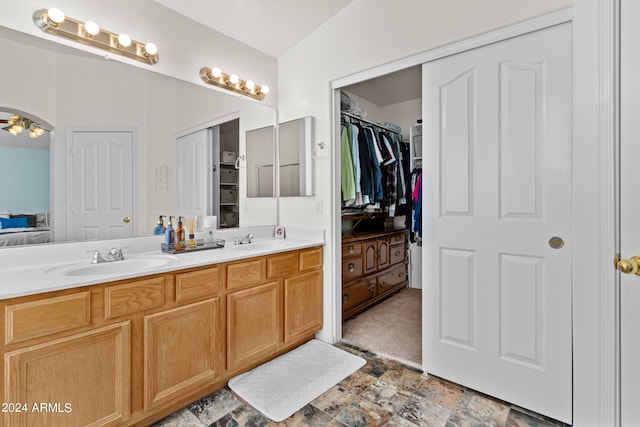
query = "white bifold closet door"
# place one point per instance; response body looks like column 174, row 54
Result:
column 497, row 212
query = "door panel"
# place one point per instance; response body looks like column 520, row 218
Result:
column 629, row 210
column 497, row 182
column 102, row 185
column 192, row 171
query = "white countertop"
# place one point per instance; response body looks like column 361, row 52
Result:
column 43, row 268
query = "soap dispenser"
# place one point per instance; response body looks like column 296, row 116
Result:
column 180, row 240
column 160, row 228
column 169, row 236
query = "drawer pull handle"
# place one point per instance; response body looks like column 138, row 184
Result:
column 398, row 238
column 371, row 288
column 401, row 274
column 345, row 299
column 351, row 267
column 351, row 249
column 398, row 253
column 382, row 284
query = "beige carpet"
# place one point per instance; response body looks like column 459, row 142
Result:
column 392, row 328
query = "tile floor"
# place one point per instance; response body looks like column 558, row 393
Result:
column 382, row 393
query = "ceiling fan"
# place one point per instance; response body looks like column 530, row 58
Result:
column 18, row 123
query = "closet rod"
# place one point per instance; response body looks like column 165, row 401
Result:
column 369, row 122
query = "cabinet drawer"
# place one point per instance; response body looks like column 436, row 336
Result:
column 357, row 294
column 245, row 273
column 310, row 259
column 282, row 265
column 39, row 318
column 133, row 297
column 393, row 276
column 396, row 253
column 398, row 238
column 351, row 268
column 353, row 248
column 197, row 284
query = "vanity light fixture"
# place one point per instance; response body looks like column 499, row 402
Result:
column 215, row 76
column 53, row 21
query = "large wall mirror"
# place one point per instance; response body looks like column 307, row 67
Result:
column 74, row 90
column 294, row 158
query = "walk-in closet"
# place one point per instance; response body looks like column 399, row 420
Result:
column 380, row 164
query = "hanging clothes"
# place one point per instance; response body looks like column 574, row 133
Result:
column 348, row 180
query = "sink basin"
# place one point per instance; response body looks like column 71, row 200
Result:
column 128, row 265
column 262, row 245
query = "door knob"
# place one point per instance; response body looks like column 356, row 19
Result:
column 628, row 266
column 126, row 219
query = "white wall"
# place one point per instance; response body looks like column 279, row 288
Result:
column 366, row 34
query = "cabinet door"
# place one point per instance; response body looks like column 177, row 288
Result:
column 302, row 305
column 80, row 380
column 370, row 258
column 182, row 349
column 383, row 253
column 252, row 325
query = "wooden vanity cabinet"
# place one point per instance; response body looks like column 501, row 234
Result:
column 281, row 311
column 382, row 270
column 131, row 352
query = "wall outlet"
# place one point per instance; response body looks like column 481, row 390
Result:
column 318, row 206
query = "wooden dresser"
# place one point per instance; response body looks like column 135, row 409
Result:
column 374, row 265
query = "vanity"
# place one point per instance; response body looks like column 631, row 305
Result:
column 128, row 348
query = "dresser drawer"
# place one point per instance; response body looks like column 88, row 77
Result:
column 246, row 273
column 396, row 253
column 350, row 249
column 197, row 284
column 48, row 316
column 398, row 238
column 357, row 294
column 351, row 268
column 393, row 276
column 133, row 297
column 282, row 265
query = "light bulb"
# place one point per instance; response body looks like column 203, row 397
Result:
column 39, row 131
column 124, row 40
column 216, row 72
column 18, row 128
column 91, row 28
column 151, row 49
column 250, row 84
column 233, row 78
column 12, row 131
column 264, row 89
column 55, row 15
column 33, row 134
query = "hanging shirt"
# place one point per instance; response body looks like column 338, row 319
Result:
column 355, row 155
column 346, row 166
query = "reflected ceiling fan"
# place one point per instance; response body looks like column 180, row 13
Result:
column 18, row 123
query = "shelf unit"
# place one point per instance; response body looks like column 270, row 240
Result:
column 415, row 145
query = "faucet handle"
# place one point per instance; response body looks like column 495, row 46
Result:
column 97, row 258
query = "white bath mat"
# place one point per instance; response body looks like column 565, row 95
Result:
column 287, row 383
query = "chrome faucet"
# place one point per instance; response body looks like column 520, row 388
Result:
column 115, row 254
column 242, row 240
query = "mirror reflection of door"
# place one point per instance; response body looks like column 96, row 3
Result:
column 294, row 158
column 102, row 190
column 260, row 159
column 25, row 164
